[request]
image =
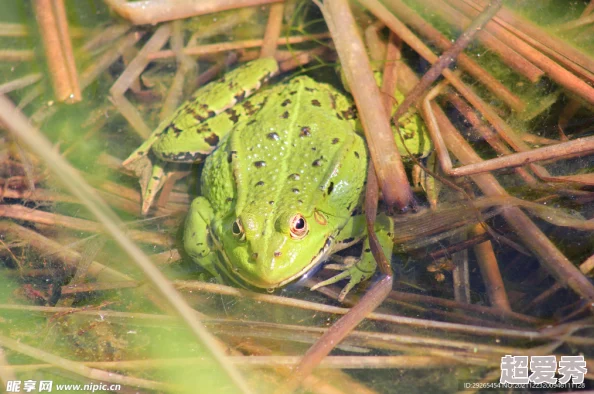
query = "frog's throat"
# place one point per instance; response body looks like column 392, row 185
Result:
column 237, row 279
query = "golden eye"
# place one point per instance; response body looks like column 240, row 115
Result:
column 237, row 229
column 298, row 226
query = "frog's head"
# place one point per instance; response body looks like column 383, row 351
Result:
column 270, row 250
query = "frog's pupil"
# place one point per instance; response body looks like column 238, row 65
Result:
column 236, row 230
column 300, row 224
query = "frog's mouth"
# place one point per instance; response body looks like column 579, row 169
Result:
column 225, row 269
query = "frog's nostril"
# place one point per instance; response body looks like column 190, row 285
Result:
column 254, row 256
column 277, row 254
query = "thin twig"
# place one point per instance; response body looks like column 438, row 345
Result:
column 15, row 55
column 556, row 72
column 108, row 58
column 185, row 66
column 106, row 36
column 330, row 362
column 486, row 133
column 447, row 58
column 574, row 24
column 399, row 320
column 578, row 147
column 548, row 254
column 19, row 83
column 504, row 130
column 411, row 18
column 20, row 212
column 567, row 55
column 134, row 69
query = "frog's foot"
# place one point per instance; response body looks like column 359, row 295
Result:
column 357, row 270
column 150, row 186
column 342, row 263
column 152, row 176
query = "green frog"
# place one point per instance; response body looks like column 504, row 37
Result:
column 283, row 177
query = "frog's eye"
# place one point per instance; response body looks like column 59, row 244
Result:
column 298, row 226
column 237, row 229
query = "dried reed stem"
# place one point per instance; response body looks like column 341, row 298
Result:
column 51, row 17
column 153, row 12
column 404, row 321
column 572, row 58
column 20, row 212
column 15, row 55
column 378, row 133
column 548, row 254
column 185, row 65
column 46, row 246
column 13, row 30
column 19, row 125
column 486, row 133
column 508, row 54
column 410, row 17
column 252, row 361
column 106, row 37
column 233, row 45
column 488, row 112
column 81, row 287
column 557, row 73
column 273, row 30
column 579, row 146
column 108, row 58
column 490, row 272
column 447, row 58
column 574, row 24
column 79, row 368
column 588, row 265
column 130, row 74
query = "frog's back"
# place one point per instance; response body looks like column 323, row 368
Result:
column 295, row 152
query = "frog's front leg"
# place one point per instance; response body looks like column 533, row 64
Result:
column 363, row 268
column 197, row 241
column 206, row 103
column 196, row 128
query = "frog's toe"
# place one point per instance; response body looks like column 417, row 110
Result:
column 334, row 279
column 355, row 274
column 342, row 263
column 156, row 181
column 160, row 174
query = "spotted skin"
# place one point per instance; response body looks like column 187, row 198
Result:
column 194, row 129
column 289, row 158
column 282, row 182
